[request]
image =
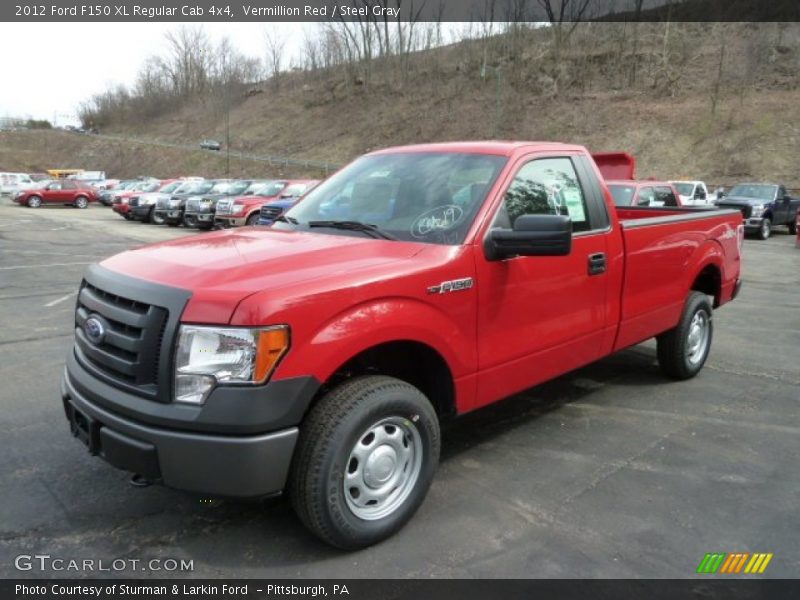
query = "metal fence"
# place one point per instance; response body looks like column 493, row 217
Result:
column 285, row 161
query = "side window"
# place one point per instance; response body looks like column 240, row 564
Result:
column 548, row 186
column 781, row 192
column 647, row 197
column 54, row 186
column 665, row 196
column 69, row 185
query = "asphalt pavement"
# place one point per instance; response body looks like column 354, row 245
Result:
column 609, row 471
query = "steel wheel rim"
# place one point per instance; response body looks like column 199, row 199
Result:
column 382, row 469
column 697, row 340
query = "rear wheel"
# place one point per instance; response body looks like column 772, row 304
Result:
column 683, row 351
column 365, row 459
column 765, row 230
column 35, row 201
column 252, row 219
column 81, row 202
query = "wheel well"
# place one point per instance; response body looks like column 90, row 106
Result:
column 413, row 362
column 709, row 281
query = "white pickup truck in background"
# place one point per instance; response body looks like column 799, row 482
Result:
column 693, row 193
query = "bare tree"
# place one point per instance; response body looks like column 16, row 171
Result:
column 563, row 16
column 276, row 44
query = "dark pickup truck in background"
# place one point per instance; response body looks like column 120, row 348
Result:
column 319, row 355
column 763, row 205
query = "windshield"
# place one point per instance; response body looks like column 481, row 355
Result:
column 428, row 197
column 253, row 188
column 684, row 189
column 170, row 187
column 622, row 194
column 222, row 187
column 236, row 188
column 271, row 189
column 294, row 190
column 754, row 190
column 197, row 187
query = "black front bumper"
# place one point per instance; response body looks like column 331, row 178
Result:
column 238, row 444
column 140, row 213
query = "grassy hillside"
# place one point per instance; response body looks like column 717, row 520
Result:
column 753, row 133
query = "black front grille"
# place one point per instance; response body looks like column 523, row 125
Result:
column 271, row 212
column 133, row 201
column 129, row 352
column 745, row 209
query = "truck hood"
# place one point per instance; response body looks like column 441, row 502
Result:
column 743, row 201
column 222, row 268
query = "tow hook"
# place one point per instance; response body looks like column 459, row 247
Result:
column 139, row 481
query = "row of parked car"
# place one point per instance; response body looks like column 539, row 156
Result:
column 763, row 205
column 205, row 203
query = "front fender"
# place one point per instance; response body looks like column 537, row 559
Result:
column 379, row 321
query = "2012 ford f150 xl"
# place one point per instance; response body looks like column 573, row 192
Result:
column 318, row 356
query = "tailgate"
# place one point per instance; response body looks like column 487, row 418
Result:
column 664, row 255
column 615, row 165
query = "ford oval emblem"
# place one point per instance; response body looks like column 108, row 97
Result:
column 94, row 330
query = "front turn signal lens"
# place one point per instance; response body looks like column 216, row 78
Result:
column 271, row 345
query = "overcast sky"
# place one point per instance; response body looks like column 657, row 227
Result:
column 47, row 69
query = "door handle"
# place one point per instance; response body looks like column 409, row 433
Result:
column 597, row 263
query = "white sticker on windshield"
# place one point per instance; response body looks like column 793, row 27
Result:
column 440, row 218
column 574, row 202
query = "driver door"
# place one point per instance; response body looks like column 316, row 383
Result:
column 539, row 316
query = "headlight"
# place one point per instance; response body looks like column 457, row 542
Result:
column 205, row 205
column 174, row 203
column 757, row 211
column 208, row 356
column 237, row 208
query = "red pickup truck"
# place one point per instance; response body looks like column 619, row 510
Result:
column 319, row 355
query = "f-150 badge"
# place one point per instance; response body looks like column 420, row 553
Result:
column 454, row 285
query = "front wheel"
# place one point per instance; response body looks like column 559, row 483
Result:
column 683, row 351
column 365, row 459
column 155, row 218
column 252, row 219
column 34, row 202
column 765, row 230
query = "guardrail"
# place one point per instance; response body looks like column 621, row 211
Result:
column 272, row 160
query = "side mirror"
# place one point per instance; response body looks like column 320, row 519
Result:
column 532, row 235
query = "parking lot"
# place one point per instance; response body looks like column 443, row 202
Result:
column 609, row 471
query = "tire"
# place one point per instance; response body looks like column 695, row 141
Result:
column 335, row 439
column 792, row 228
column 155, row 219
column 252, row 219
column 81, row 202
column 34, row 201
column 765, row 230
column 683, row 351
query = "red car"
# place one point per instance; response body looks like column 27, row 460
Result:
column 319, row 355
column 63, row 191
column 644, row 193
column 245, row 210
column 121, row 201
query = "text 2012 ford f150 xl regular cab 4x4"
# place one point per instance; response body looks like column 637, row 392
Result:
column 318, row 356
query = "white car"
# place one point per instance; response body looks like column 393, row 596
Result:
column 693, row 193
column 11, row 183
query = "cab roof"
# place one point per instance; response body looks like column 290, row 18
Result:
column 501, row 148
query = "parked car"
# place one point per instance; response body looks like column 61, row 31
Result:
column 644, row 193
column 763, row 205
column 106, row 196
column 273, row 209
column 200, row 209
column 211, row 145
column 693, row 193
column 74, row 193
column 142, row 208
column 170, row 210
column 11, row 183
column 318, row 356
column 122, row 199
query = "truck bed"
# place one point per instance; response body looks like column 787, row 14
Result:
column 664, row 248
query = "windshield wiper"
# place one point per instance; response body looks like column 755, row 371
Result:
column 367, row 228
column 286, row 219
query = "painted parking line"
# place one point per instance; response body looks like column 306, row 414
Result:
column 18, row 267
column 60, row 300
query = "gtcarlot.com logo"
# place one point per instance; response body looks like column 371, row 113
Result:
column 734, row 562
column 46, row 562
